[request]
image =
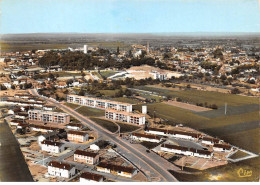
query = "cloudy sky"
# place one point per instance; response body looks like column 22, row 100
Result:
column 129, row 16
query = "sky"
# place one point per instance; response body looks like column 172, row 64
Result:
column 129, row 16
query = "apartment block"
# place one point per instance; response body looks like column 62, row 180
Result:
column 128, row 117
column 99, row 103
column 47, row 116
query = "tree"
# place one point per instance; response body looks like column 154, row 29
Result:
column 117, row 50
column 235, row 91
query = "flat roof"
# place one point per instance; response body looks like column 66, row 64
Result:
column 99, row 99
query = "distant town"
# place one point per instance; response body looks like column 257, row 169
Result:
column 133, row 112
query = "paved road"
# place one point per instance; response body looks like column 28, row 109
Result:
column 159, row 168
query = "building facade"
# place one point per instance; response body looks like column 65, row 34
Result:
column 99, row 103
column 60, row 169
column 50, row 117
column 128, row 117
column 86, row 157
column 77, row 136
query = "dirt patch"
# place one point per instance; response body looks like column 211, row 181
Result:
column 187, row 106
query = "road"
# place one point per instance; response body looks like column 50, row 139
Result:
column 142, row 157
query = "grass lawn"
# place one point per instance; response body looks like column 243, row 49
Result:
column 87, row 111
column 149, row 145
column 108, row 93
column 238, row 155
column 127, row 128
column 109, row 125
column 72, row 105
column 126, row 100
column 107, row 73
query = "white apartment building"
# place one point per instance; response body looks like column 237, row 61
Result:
column 47, row 116
column 99, row 103
column 52, row 147
column 128, row 117
column 60, row 169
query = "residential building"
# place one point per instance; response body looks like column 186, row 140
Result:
column 186, row 151
column 209, row 140
column 74, row 126
column 60, row 169
column 52, row 146
column 222, row 147
column 99, row 103
column 49, row 117
column 86, row 157
column 128, row 117
column 42, row 128
column 92, row 177
column 77, row 136
column 116, row 169
column 146, row 137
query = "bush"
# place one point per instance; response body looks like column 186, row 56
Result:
column 178, row 99
column 235, row 91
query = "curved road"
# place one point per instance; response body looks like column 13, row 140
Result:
column 161, row 170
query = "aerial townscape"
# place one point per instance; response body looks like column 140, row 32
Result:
column 129, row 107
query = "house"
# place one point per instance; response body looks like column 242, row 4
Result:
column 209, row 140
column 16, row 122
column 52, row 146
column 22, row 125
column 77, row 136
column 49, row 107
column 116, row 169
column 61, row 85
column 74, row 126
column 92, row 177
column 222, row 147
column 128, row 117
column 60, row 169
column 47, row 116
column 86, row 157
column 42, row 128
column 146, row 137
column 21, row 115
column 94, row 147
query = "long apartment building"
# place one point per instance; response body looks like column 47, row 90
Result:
column 47, row 116
column 99, row 103
column 128, row 117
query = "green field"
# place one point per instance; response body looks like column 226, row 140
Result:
column 109, row 125
column 72, row 105
column 107, row 73
column 108, row 93
column 112, row 127
column 87, row 111
column 126, row 100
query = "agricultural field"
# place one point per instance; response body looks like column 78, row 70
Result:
column 196, row 96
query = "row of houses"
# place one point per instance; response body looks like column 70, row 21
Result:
column 173, row 133
column 186, row 151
